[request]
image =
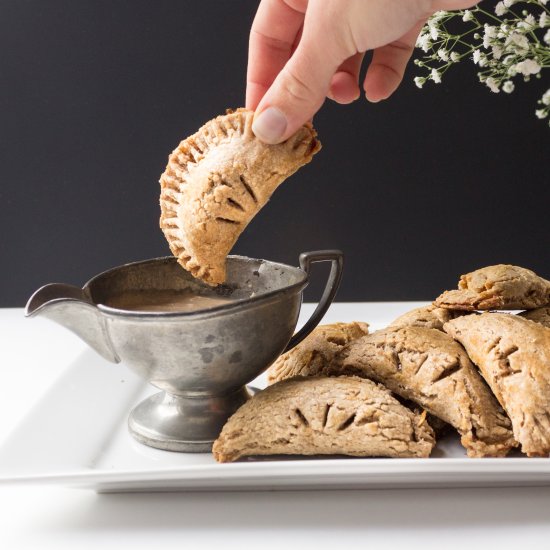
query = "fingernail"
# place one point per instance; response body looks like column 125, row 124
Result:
column 270, row 125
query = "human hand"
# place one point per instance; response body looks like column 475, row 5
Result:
column 304, row 51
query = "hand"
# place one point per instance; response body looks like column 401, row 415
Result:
column 303, row 51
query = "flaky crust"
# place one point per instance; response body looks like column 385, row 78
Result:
column 513, row 355
column 316, row 351
column 427, row 317
column 426, row 366
column 320, row 416
column 497, row 287
column 216, row 181
column 540, row 315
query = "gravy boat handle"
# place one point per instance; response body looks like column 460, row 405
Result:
column 336, row 257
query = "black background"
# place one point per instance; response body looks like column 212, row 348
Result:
column 95, row 94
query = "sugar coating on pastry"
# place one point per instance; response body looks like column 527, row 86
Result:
column 427, row 316
column 497, row 287
column 429, row 368
column 316, row 351
column 540, row 315
column 513, row 355
column 324, row 416
column 216, row 181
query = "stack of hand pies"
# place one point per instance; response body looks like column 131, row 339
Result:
column 467, row 362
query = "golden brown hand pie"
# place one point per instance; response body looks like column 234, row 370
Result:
column 513, row 355
column 316, row 351
column 427, row 317
column 497, row 287
column 320, row 416
column 540, row 315
column 426, row 366
column 216, row 181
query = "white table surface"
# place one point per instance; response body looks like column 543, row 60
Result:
column 33, row 353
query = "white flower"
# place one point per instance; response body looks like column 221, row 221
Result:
column 547, row 37
column 419, row 81
column 528, row 23
column 509, row 3
column 434, row 32
column 500, row 9
column 527, row 67
column 455, row 57
column 468, row 16
column 497, row 52
column 477, row 56
column 489, row 33
column 544, row 20
column 508, row 87
column 424, row 42
column 435, row 75
column 443, row 54
column 546, row 97
column 518, row 42
column 492, row 84
column 541, row 113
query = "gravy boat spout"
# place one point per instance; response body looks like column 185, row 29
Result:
column 71, row 307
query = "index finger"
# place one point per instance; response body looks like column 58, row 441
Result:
column 272, row 38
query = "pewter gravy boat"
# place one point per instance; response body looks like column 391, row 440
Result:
column 203, row 359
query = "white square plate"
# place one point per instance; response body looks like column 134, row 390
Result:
column 77, row 436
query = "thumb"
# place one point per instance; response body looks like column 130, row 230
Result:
column 297, row 93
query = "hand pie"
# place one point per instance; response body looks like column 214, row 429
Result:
column 540, row 315
column 216, row 181
column 497, row 287
column 316, row 351
column 513, row 355
column 428, row 367
column 427, row 317
column 324, row 416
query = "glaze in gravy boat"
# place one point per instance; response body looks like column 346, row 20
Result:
column 201, row 360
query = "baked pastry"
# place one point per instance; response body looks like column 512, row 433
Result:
column 540, row 315
column 513, row 355
column 316, row 351
column 427, row 317
column 320, row 416
column 216, row 181
column 428, row 367
column 497, row 287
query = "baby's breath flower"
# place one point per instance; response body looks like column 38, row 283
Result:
column 500, row 9
column 547, row 37
column 510, row 3
column 541, row 113
column 527, row 67
column 477, row 56
column 468, row 16
column 455, row 57
column 443, row 54
column 435, row 75
column 545, row 100
column 497, row 52
column 492, row 84
column 419, row 81
column 528, row 23
column 508, row 87
column 544, row 20
column 519, row 42
column 424, row 42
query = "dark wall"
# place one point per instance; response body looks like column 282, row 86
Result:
column 95, row 94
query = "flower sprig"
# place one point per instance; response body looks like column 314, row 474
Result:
column 507, row 42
